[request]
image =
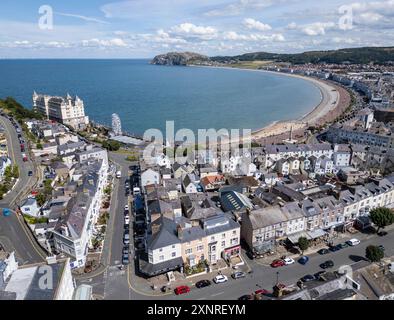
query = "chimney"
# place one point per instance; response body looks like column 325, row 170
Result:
column 180, row 232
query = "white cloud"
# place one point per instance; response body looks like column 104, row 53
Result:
column 256, row 25
column 116, row 42
column 190, row 30
column 317, row 28
column 85, row 18
column 234, row 36
column 240, row 6
column 292, row 26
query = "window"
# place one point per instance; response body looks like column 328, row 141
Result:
column 173, row 254
column 234, row 241
column 173, row 246
column 161, row 250
column 223, row 243
column 234, row 232
column 212, row 238
column 200, row 248
column 189, row 251
column 223, row 235
column 161, row 258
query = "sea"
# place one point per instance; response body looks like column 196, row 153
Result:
column 145, row 96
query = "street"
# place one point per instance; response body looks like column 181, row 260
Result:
column 14, row 235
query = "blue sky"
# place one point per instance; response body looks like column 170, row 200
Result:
column 144, row 28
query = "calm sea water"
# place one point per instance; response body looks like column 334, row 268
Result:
column 145, row 96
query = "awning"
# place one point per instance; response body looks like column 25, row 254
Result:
column 294, row 237
column 316, row 233
column 151, row 270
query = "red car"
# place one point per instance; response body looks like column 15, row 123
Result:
column 262, row 291
column 181, row 290
column 277, row 263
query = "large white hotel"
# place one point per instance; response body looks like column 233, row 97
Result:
column 67, row 110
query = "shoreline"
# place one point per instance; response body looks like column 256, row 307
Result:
column 330, row 101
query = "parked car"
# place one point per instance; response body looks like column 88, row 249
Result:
column 246, row 297
column 335, row 248
column 250, row 255
column 126, row 220
column 181, row 290
column 353, row 242
column 125, row 259
column 238, row 275
column 381, row 247
column 318, row 274
column 126, row 207
column 288, row 261
column 308, row 278
column 220, row 279
column 382, row 233
column 303, row 260
column 323, row 251
column 327, row 264
column 126, row 239
column 277, row 263
column 262, row 291
column 30, row 173
column 203, row 283
column 126, row 250
column 343, row 245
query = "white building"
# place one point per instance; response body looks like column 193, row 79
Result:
column 67, row 110
column 150, row 176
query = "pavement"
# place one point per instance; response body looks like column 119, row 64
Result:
column 14, row 233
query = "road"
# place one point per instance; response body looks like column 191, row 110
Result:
column 14, row 234
column 265, row 277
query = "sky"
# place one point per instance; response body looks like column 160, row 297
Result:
column 145, row 28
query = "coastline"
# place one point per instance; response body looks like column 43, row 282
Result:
column 329, row 103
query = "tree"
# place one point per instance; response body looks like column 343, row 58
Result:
column 303, row 244
column 39, row 146
column 15, row 172
column 111, row 145
column 374, row 253
column 382, row 217
column 40, row 198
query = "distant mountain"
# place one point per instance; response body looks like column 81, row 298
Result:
column 179, row 59
column 378, row 55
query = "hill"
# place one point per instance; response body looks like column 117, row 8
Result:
column 365, row 55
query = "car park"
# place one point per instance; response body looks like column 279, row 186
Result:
column 303, row 260
column 220, row 279
column 181, row 290
column 353, row 242
column 327, row 264
column 203, row 283
column 323, row 251
column 238, row 275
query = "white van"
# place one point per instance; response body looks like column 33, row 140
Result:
column 353, row 242
column 136, row 191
